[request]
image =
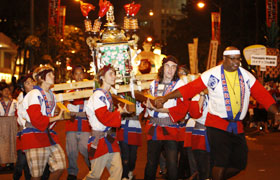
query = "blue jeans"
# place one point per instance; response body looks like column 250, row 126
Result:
column 153, row 154
column 76, row 142
column 129, row 156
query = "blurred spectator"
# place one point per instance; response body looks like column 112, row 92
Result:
column 7, row 108
column 26, row 84
column 8, row 105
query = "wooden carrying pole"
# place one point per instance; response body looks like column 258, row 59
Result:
column 141, row 97
column 85, row 93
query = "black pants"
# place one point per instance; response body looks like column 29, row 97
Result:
column 21, row 164
column 183, row 166
column 228, row 150
column 153, row 154
column 203, row 163
column 129, row 156
column 191, row 160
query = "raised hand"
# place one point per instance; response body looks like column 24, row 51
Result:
column 58, row 117
column 122, row 110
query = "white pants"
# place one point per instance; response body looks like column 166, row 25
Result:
column 113, row 163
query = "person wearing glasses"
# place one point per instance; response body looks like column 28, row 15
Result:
column 230, row 87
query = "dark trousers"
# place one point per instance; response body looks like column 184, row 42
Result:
column 183, row 166
column 203, row 163
column 46, row 173
column 191, row 160
column 228, row 150
column 129, row 156
column 153, row 154
column 21, row 164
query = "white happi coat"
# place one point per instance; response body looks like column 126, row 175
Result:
column 20, row 110
column 134, row 124
column 95, row 102
column 212, row 79
column 76, row 108
column 11, row 110
column 34, row 97
column 170, row 103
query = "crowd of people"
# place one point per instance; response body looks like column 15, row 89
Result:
column 193, row 129
column 259, row 118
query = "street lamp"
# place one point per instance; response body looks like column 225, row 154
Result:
column 200, row 5
column 149, row 39
column 215, row 18
column 151, row 13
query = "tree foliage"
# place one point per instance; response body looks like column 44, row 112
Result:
column 71, row 50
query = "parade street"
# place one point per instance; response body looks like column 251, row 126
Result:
column 76, row 75
column 263, row 162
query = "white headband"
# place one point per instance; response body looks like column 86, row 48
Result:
column 231, row 52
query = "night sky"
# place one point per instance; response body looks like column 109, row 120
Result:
column 74, row 15
column 14, row 10
column 242, row 21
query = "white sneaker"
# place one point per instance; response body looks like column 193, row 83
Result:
column 130, row 175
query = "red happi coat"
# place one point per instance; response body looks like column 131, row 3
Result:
column 172, row 130
column 35, row 113
column 130, row 132
column 80, row 124
column 217, row 113
column 192, row 108
column 102, row 118
column 199, row 134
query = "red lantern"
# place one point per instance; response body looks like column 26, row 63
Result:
column 132, row 9
column 135, row 9
column 104, row 7
column 127, row 8
column 86, row 8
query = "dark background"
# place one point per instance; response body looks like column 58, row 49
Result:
column 242, row 24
